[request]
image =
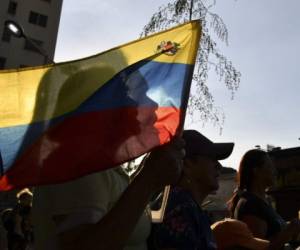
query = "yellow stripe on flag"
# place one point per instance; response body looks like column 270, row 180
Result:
column 21, row 89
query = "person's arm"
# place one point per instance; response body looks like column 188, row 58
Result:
column 259, row 229
column 163, row 167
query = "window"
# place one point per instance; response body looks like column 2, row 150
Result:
column 28, row 45
column 12, row 7
column 6, row 35
column 2, row 62
column 43, row 20
column 38, row 19
column 33, row 17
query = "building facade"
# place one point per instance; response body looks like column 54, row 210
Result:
column 287, row 191
column 40, row 21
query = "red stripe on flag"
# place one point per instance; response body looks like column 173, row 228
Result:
column 91, row 142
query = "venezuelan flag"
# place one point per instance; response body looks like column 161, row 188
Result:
column 60, row 122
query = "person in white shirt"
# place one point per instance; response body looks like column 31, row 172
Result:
column 101, row 211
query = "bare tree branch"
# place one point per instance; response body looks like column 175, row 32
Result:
column 209, row 58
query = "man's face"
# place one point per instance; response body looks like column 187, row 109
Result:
column 204, row 171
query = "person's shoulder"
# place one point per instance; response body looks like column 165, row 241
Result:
column 181, row 202
column 248, row 198
column 102, row 178
column 100, row 183
column 259, row 202
column 94, row 190
column 249, row 204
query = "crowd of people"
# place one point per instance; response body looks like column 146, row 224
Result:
column 108, row 210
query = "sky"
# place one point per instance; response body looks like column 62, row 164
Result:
column 264, row 40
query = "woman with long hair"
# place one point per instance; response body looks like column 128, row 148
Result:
column 250, row 203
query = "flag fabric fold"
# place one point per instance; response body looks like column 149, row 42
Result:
column 63, row 121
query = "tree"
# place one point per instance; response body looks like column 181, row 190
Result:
column 209, row 57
